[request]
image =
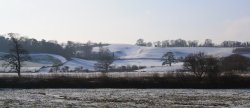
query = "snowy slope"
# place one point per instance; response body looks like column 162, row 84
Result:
column 28, row 66
column 37, row 61
column 76, row 63
column 125, row 51
column 150, row 56
column 45, row 58
column 139, row 62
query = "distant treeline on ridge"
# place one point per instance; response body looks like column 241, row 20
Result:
column 191, row 43
column 69, row 49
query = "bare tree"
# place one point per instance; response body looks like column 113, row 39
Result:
column 193, row 43
column 213, row 65
column 208, row 43
column 196, row 64
column 140, row 42
column 202, row 65
column 105, row 59
column 16, row 56
column 149, row 44
column 157, row 44
column 165, row 43
column 168, row 58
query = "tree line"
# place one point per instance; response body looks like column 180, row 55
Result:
column 190, row 43
column 208, row 66
column 68, row 49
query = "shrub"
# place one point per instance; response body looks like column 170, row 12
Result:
column 201, row 65
column 235, row 62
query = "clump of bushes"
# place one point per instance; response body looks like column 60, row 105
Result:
column 235, row 62
column 207, row 66
column 202, row 65
column 127, row 68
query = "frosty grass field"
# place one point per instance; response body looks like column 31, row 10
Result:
column 121, row 98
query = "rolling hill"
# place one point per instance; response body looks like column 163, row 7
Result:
column 126, row 55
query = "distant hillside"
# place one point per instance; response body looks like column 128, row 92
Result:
column 127, row 55
column 133, row 51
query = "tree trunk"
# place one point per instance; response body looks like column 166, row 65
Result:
column 19, row 72
column 19, row 65
column 106, row 68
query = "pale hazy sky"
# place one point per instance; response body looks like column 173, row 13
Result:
column 124, row 21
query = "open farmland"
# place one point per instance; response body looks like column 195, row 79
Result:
column 90, row 74
column 117, row 98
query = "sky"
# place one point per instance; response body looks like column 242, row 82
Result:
column 125, row 21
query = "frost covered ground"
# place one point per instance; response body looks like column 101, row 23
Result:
column 124, row 98
column 89, row 74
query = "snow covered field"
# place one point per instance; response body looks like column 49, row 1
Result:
column 133, row 51
column 125, row 98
